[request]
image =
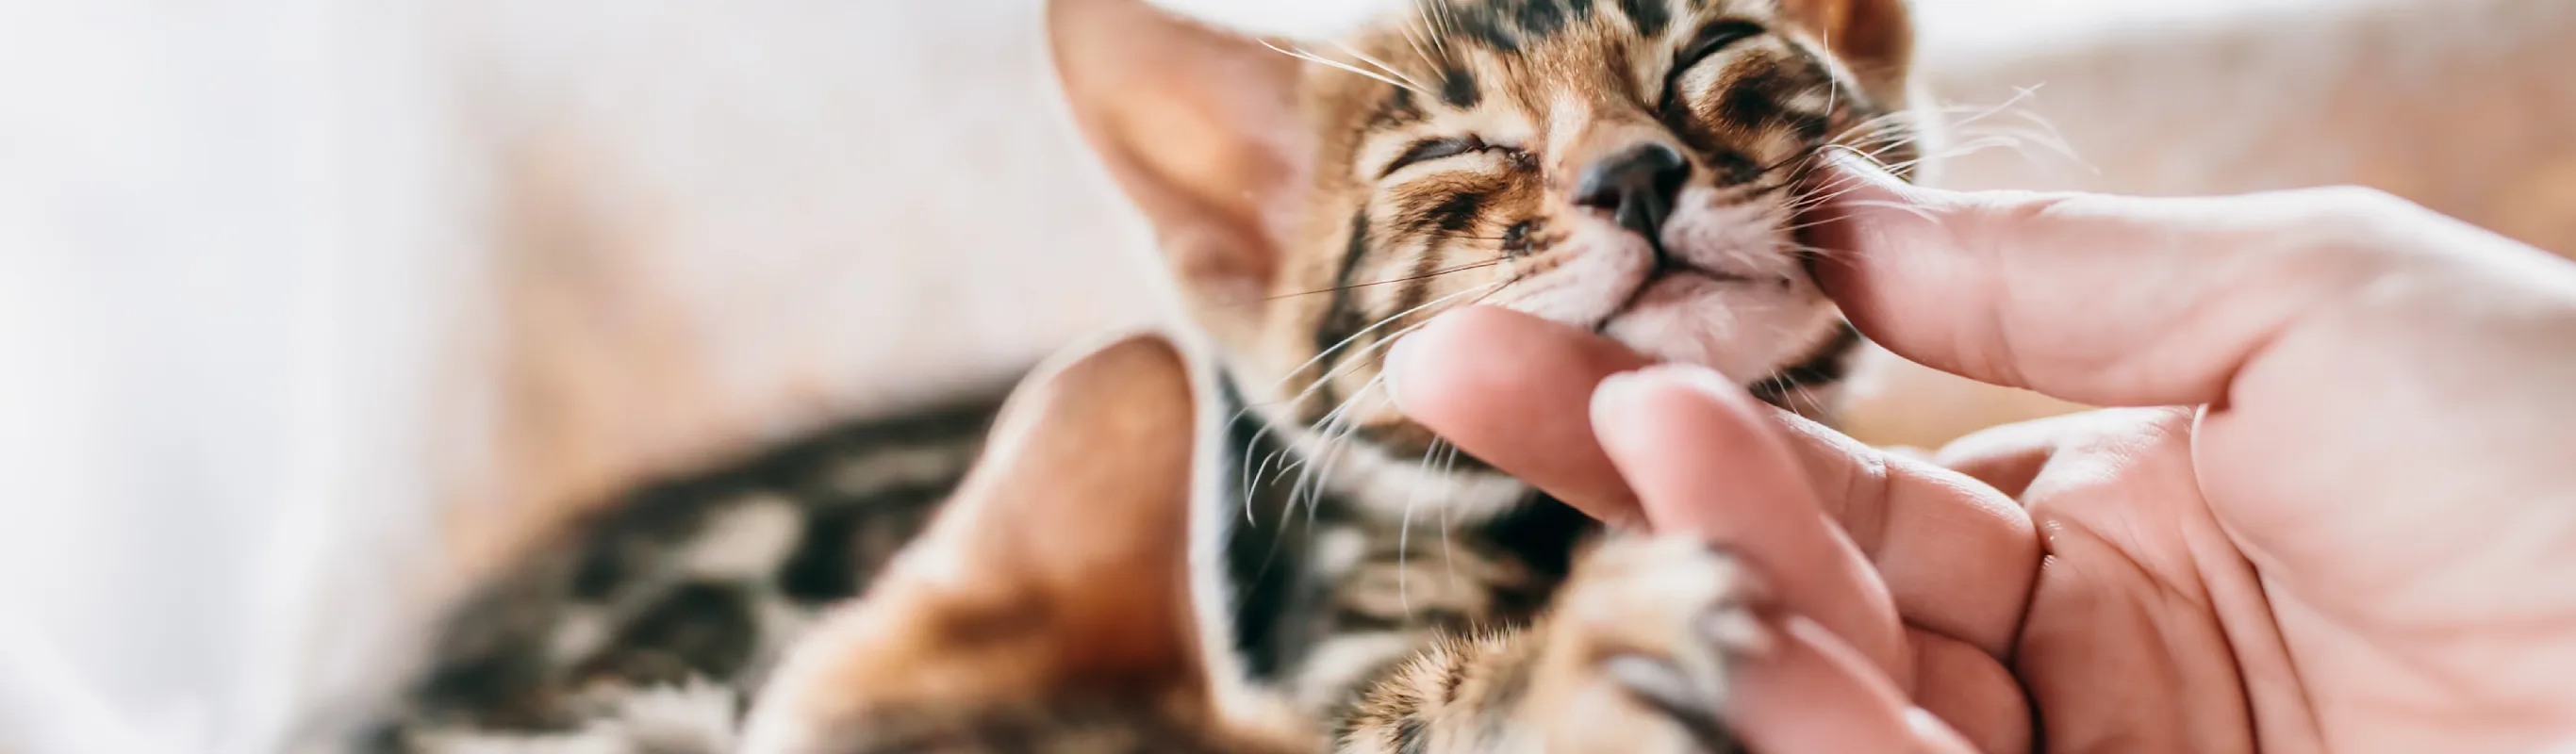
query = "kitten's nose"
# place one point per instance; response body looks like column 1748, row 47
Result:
column 1636, row 186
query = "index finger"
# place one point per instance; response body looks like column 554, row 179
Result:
column 1957, row 558
column 2111, row 300
column 1705, row 463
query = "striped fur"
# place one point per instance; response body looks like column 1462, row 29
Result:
column 1388, row 589
column 672, row 603
column 1436, row 160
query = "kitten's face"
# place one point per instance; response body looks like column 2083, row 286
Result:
column 1629, row 168
column 1632, row 167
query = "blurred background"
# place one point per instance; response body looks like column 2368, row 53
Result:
column 311, row 310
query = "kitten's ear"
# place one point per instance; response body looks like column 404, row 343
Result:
column 1059, row 567
column 1874, row 37
column 1201, row 126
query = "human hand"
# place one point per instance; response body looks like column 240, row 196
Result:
column 2359, row 538
column 1848, row 538
column 2361, row 542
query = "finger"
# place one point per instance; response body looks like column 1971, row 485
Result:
column 2010, row 456
column 1971, row 690
column 1453, row 372
column 1906, row 451
column 1706, row 462
column 1932, row 734
column 2005, row 462
column 1812, row 692
column 2096, row 299
column 1957, row 558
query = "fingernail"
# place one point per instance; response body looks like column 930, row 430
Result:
column 1614, row 390
column 1863, row 167
column 1703, row 380
column 1931, row 729
column 1406, row 350
column 1853, row 178
column 1399, row 359
column 1624, row 388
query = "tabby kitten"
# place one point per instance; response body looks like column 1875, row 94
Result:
column 646, row 627
column 1634, row 167
column 1047, row 609
column 1630, row 166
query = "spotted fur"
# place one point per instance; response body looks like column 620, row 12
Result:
column 651, row 623
column 1315, row 209
column 1395, row 594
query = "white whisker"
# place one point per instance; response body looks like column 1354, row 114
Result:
column 1431, row 12
column 1314, row 58
column 1448, row 548
column 1354, row 337
column 1331, row 447
column 1389, row 70
column 1404, row 531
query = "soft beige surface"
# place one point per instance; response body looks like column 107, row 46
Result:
column 708, row 316
column 706, row 243
column 2464, row 105
column 307, row 308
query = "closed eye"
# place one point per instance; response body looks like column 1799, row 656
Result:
column 1433, row 149
column 1712, row 38
column 1717, row 35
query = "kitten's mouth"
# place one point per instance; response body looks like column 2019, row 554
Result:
column 1674, row 286
column 1769, row 331
column 1671, row 282
column 1674, row 283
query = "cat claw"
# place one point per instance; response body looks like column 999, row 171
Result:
column 1665, row 688
column 1677, row 618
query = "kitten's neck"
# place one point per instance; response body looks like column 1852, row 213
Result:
column 1294, row 519
column 1270, row 448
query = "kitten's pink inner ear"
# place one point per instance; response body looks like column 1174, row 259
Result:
column 1199, row 125
column 1874, row 37
column 1059, row 567
column 1079, row 509
column 1099, row 446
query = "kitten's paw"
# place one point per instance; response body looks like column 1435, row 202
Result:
column 1651, row 628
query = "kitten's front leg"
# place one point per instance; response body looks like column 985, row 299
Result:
column 1634, row 657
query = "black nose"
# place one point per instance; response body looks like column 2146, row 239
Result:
column 1636, row 186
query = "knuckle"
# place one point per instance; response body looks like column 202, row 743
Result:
column 2360, row 206
column 2006, row 210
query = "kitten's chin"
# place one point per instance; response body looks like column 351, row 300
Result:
column 1745, row 329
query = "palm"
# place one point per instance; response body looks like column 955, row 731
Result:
column 2156, row 625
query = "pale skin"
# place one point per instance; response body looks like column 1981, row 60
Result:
column 2339, row 513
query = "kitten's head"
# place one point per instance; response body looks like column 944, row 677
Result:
column 1630, row 166
column 1047, row 608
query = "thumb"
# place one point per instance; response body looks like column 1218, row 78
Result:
column 2111, row 300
